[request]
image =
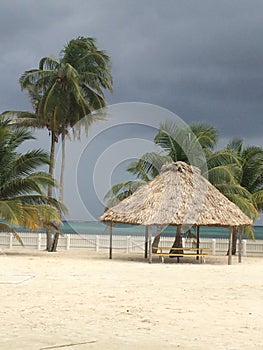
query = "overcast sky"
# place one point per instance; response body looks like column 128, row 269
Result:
column 200, row 59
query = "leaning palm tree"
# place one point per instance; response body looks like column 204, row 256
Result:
column 177, row 144
column 22, row 189
column 63, row 92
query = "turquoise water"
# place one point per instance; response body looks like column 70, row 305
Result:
column 99, row 228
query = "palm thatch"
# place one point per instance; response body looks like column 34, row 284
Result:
column 179, row 195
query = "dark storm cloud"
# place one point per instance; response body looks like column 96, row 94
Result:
column 203, row 62
column 201, row 59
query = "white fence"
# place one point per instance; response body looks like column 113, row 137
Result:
column 128, row 244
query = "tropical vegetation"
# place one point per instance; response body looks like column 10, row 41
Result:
column 23, row 198
column 63, row 92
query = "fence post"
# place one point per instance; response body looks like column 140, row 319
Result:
column 97, row 243
column 39, row 241
column 10, row 240
column 183, row 242
column 68, row 242
column 213, row 246
column 128, row 244
column 244, row 247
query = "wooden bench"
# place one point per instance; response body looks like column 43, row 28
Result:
column 195, row 252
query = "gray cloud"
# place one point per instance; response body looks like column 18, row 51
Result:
column 200, row 59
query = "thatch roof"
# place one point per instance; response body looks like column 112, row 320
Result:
column 179, row 195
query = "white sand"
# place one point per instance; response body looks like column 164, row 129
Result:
column 126, row 303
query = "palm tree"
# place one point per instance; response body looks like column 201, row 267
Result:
column 189, row 144
column 250, row 178
column 177, row 143
column 222, row 168
column 193, row 145
column 22, row 189
column 63, row 92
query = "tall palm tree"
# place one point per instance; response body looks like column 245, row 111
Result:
column 63, row 92
column 22, row 189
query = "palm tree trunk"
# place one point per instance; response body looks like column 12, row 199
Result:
column 157, row 239
column 234, row 241
column 49, row 192
column 62, row 172
column 61, row 186
column 178, row 243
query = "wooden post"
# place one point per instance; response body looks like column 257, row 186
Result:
column 11, row 240
column 230, row 245
column 244, row 247
column 213, row 246
column 110, row 252
column 146, row 242
column 68, row 241
column 197, row 241
column 39, row 241
column 150, row 243
column 240, row 244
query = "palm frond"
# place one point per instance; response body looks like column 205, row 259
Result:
column 258, row 199
column 149, row 165
column 6, row 227
column 121, row 191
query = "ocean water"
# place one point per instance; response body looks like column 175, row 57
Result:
column 100, row 228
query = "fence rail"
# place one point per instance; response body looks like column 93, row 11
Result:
column 128, row 244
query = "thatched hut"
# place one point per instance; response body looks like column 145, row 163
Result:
column 178, row 196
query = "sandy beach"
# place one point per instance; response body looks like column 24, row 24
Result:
column 82, row 300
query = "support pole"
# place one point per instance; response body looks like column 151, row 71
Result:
column 244, row 247
column 146, row 242
column 197, row 241
column 110, row 252
column 230, row 245
column 150, row 243
column 241, row 229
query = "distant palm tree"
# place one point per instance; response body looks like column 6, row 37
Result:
column 22, row 189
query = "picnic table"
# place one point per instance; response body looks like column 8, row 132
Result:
column 163, row 252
